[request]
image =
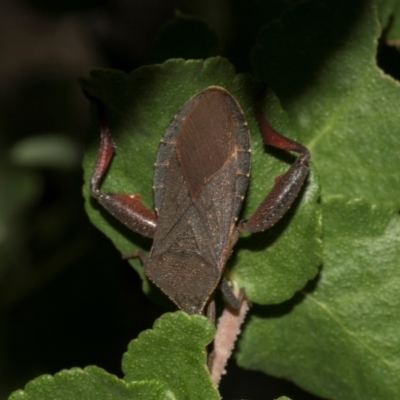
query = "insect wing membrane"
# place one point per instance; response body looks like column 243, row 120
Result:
column 200, row 179
column 206, row 141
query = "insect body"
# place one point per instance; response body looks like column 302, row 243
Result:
column 201, row 176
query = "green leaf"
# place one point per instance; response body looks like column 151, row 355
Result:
column 91, row 383
column 166, row 362
column 340, row 103
column 339, row 339
column 174, row 353
column 140, row 106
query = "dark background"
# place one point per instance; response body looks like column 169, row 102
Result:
column 66, row 297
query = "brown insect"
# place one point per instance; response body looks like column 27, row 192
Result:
column 200, row 180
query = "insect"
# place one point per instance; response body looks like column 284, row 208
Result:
column 200, row 180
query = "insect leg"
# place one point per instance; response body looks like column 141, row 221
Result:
column 286, row 187
column 127, row 208
column 233, row 300
column 211, row 311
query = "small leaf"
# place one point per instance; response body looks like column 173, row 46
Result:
column 174, row 353
column 166, row 362
column 91, row 383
